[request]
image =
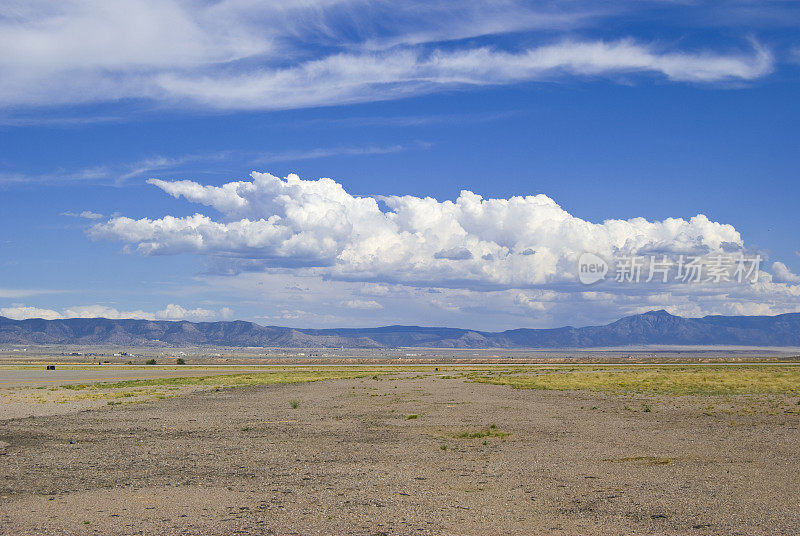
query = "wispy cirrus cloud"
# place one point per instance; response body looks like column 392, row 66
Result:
column 86, row 214
column 115, row 174
column 29, row 119
column 88, row 174
column 12, row 293
column 325, row 152
column 403, row 121
column 272, row 56
column 120, row 174
column 397, row 73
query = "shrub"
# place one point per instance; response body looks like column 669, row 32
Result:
column 180, row 361
column 150, row 362
column 294, row 403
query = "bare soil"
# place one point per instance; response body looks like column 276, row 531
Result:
column 349, row 460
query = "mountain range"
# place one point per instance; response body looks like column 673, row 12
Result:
column 652, row 328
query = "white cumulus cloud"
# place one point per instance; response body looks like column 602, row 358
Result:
column 176, row 312
column 170, row 312
column 102, row 311
column 21, row 312
column 86, row 214
column 782, row 274
column 363, row 304
column 472, row 242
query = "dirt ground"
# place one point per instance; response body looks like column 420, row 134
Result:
column 351, row 458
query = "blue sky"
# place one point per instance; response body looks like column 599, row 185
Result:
column 627, row 119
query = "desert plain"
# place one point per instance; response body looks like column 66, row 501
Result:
column 366, row 450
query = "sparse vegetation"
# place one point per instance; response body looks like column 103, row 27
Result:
column 678, row 380
column 133, row 391
column 492, row 431
column 643, row 460
column 412, row 417
column 150, row 362
column 241, row 380
column 180, row 361
column 103, row 395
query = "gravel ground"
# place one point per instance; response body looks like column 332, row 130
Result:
column 348, row 460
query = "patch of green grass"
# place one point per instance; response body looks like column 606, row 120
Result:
column 412, row 417
column 294, row 403
column 679, row 380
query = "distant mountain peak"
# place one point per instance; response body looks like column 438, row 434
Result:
column 660, row 312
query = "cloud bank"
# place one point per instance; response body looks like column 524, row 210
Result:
column 474, row 243
column 310, row 252
column 170, row 312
